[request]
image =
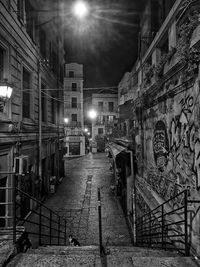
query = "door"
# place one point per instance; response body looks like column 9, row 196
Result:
column 74, row 148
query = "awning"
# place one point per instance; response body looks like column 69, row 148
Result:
column 115, row 149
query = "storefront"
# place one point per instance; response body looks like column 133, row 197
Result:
column 74, row 146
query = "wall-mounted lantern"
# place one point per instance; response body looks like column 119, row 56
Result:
column 5, row 92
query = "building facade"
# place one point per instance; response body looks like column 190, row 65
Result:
column 31, row 129
column 106, row 106
column 164, row 84
column 73, row 110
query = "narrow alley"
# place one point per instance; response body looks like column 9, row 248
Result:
column 76, row 199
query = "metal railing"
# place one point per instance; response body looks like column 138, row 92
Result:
column 45, row 226
column 166, row 228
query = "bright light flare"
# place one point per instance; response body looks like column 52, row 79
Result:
column 66, row 120
column 86, row 130
column 5, row 91
column 80, row 9
column 92, row 114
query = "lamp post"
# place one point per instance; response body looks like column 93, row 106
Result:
column 92, row 114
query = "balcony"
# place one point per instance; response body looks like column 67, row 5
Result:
column 75, row 76
column 70, row 89
column 72, row 106
column 74, row 124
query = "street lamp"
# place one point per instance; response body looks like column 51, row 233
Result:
column 92, row 114
column 66, row 120
column 5, row 91
column 80, row 9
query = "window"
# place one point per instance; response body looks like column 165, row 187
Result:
column 100, row 130
column 43, row 104
column 74, row 102
column 100, row 106
column 52, row 110
column 100, row 119
column 74, row 86
column 30, row 20
column 61, row 73
column 54, row 61
column 2, row 51
column 74, row 117
column 110, row 106
column 71, row 74
column 26, row 94
column 42, row 41
column 20, row 10
column 110, row 118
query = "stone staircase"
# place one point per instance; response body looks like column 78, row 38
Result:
column 122, row 256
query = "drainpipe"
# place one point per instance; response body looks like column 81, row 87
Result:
column 39, row 124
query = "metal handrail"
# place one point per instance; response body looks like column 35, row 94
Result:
column 49, row 227
column 157, row 228
column 44, row 224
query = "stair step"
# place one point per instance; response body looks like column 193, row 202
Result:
column 65, row 250
column 140, row 251
column 49, row 260
column 150, row 261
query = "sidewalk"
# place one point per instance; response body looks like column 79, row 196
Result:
column 76, row 199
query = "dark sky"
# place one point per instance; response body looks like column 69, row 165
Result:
column 106, row 42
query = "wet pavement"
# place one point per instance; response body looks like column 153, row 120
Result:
column 76, row 199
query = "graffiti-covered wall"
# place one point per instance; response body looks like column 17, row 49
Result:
column 172, row 143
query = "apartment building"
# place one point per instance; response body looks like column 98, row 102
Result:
column 73, row 110
column 31, row 129
column 106, row 106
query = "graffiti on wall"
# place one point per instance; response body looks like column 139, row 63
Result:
column 176, row 149
column 185, row 144
column 160, row 145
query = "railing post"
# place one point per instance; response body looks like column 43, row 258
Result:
column 163, row 227
column 40, row 226
column 14, row 208
column 58, row 230
column 65, row 232
column 50, row 226
column 150, row 229
column 100, row 226
column 187, row 252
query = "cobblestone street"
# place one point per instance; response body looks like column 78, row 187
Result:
column 76, row 199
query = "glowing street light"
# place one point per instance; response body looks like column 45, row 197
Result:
column 66, row 120
column 92, row 114
column 5, row 91
column 80, row 9
column 86, row 130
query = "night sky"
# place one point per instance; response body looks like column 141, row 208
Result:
column 106, row 42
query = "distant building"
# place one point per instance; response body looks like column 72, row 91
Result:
column 73, row 110
column 105, row 102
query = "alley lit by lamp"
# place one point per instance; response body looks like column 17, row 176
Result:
column 80, row 9
column 92, row 114
column 5, row 92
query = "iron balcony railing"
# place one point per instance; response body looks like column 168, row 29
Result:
column 165, row 228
